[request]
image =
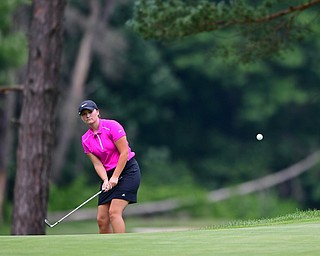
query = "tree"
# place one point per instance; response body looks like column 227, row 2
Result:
column 264, row 29
column 36, row 132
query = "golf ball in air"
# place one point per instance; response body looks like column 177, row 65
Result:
column 259, row 136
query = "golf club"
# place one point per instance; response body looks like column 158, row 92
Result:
column 57, row 222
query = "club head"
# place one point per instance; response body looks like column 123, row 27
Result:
column 50, row 225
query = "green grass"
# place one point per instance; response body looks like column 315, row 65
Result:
column 300, row 216
column 296, row 234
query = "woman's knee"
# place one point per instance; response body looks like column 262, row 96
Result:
column 114, row 213
column 116, row 209
column 103, row 216
column 102, row 220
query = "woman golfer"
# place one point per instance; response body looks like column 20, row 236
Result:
column 106, row 145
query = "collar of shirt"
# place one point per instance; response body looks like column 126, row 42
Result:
column 99, row 129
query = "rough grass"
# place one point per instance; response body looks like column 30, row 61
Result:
column 295, row 234
column 299, row 216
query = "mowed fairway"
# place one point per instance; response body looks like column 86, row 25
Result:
column 284, row 239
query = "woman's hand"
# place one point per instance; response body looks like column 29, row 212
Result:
column 109, row 184
column 105, row 185
column 113, row 182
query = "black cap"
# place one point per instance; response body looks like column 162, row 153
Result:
column 87, row 104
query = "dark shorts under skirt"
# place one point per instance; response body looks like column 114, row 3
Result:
column 127, row 187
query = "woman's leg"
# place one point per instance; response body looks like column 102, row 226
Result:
column 116, row 209
column 103, row 219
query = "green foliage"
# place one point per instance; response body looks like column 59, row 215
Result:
column 159, row 169
column 262, row 29
column 190, row 192
column 263, row 205
column 13, row 45
column 6, row 9
column 72, row 195
column 13, row 50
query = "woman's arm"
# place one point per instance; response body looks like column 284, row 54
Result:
column 122, row 146
column 101, row 171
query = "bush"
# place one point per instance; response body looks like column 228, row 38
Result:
column 69, row 197
column 260, row 205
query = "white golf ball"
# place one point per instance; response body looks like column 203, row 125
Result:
column 259, row 136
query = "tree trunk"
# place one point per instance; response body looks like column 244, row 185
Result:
column 36, row 133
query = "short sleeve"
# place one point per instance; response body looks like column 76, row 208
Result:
column 117, row 131
column 85, row 148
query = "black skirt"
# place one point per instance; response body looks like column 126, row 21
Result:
column 127, row 187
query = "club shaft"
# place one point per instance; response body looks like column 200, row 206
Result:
column 88, row 200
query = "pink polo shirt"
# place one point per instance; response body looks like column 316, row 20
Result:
column 102, row 144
